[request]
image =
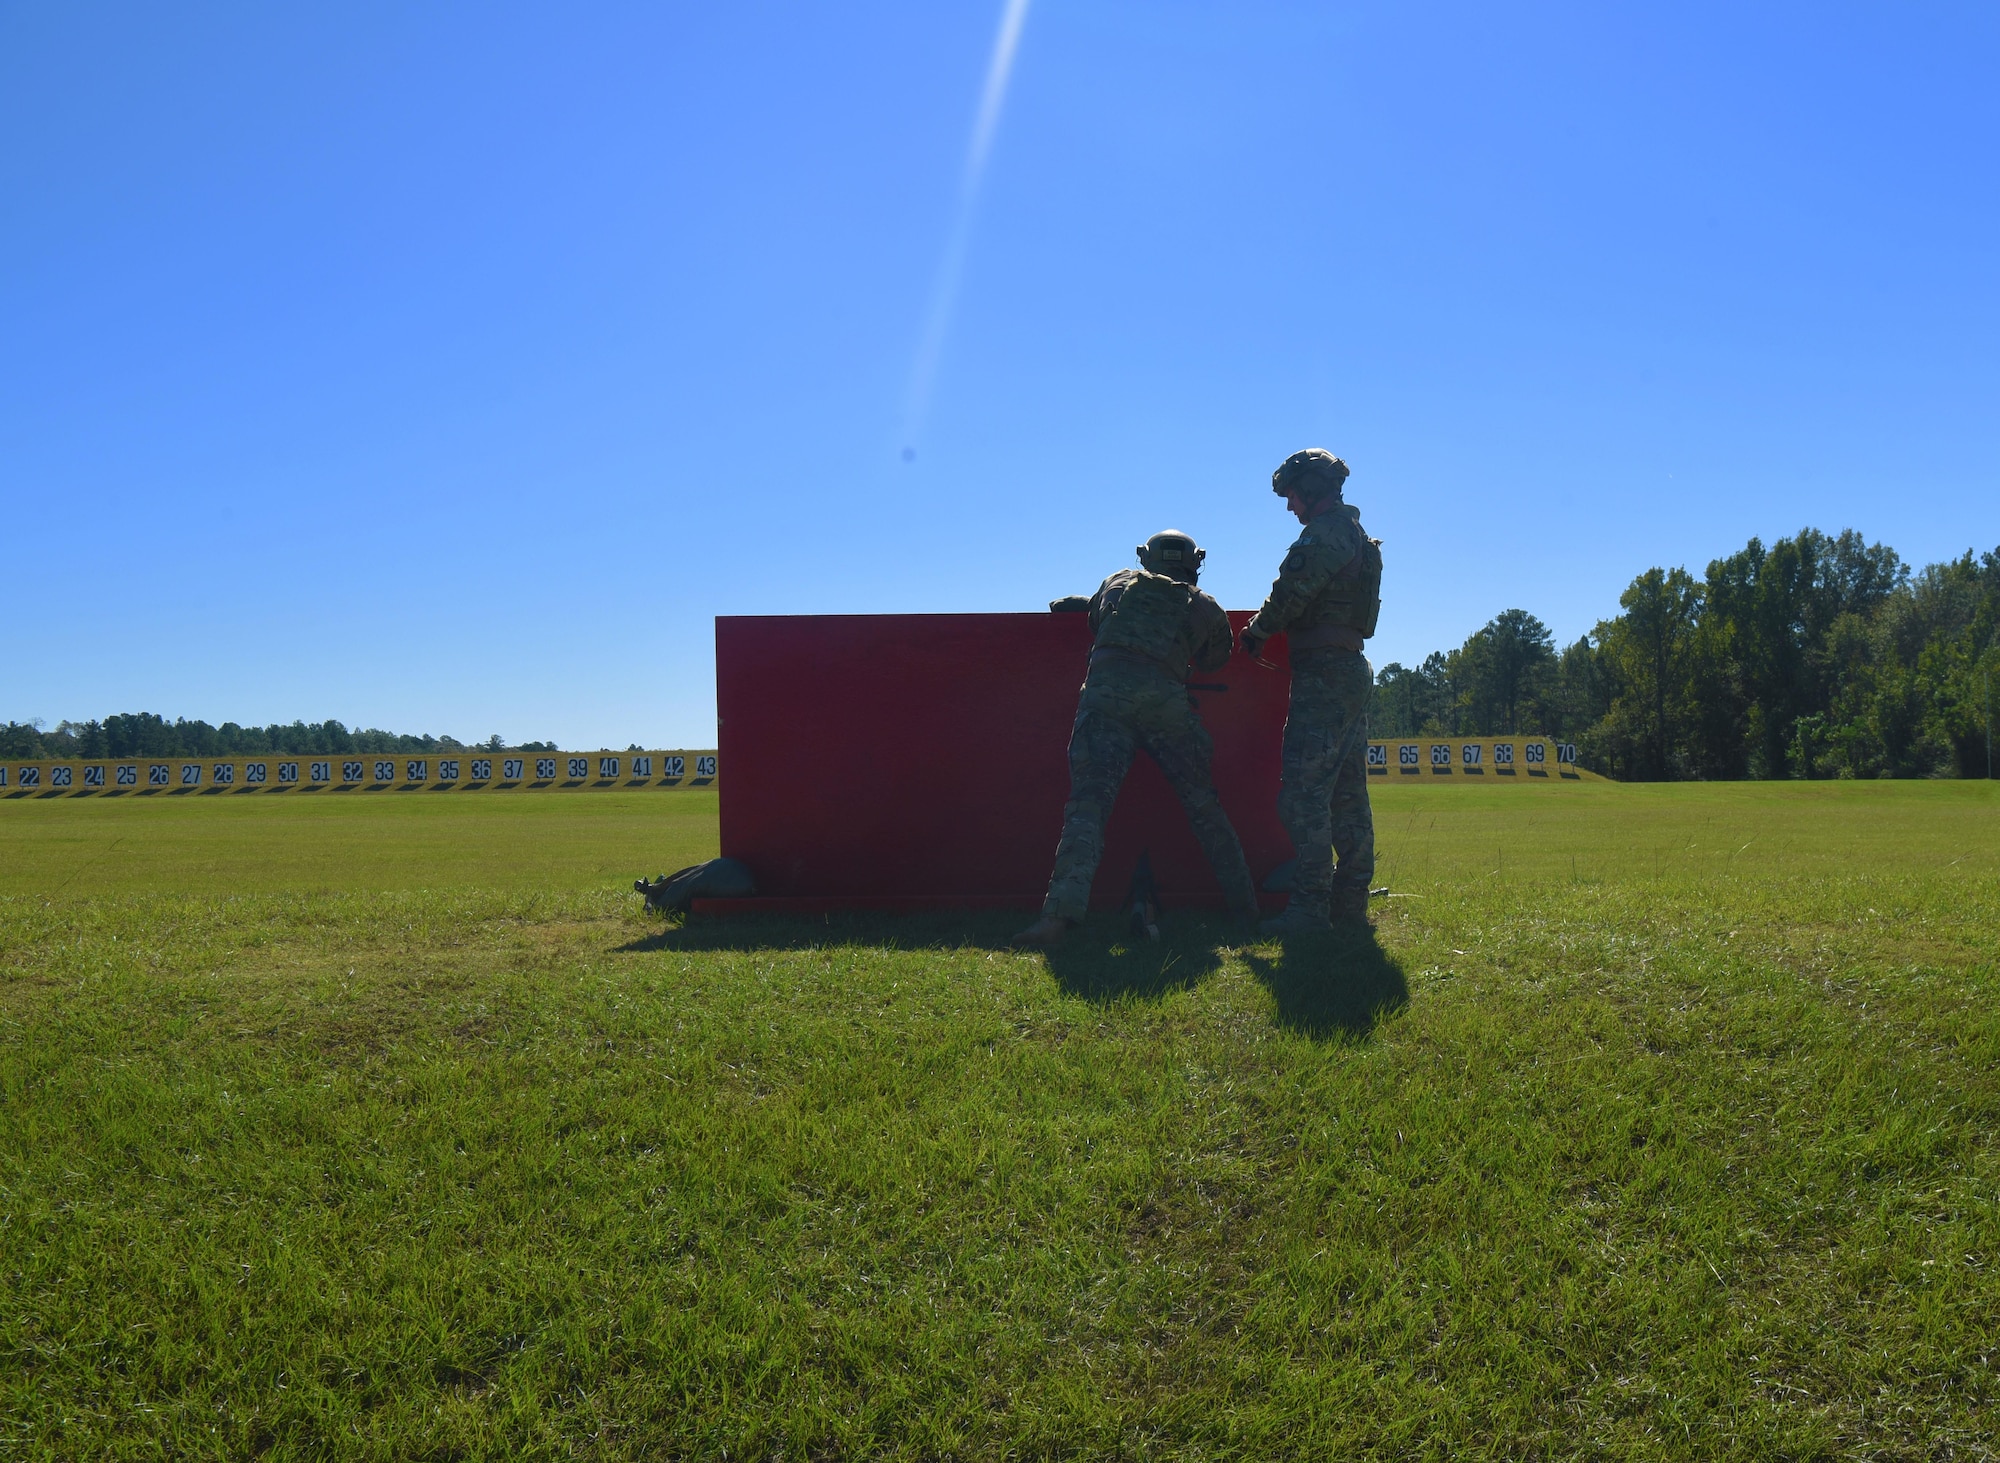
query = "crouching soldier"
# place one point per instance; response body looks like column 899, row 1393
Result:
column 1326, row 600
column 1150, row 623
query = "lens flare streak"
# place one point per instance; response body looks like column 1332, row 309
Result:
column 944, row 291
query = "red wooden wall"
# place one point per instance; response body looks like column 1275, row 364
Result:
column 901, row 761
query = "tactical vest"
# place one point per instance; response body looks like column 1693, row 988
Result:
column 1354, row 596
column 1146, row 616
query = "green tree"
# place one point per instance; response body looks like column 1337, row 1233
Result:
column 1411, row 702
column 1502, row 667
column 1648, row 651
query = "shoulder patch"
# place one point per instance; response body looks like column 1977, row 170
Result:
column 1338, row 534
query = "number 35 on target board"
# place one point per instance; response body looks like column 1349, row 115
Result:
column 358, row 772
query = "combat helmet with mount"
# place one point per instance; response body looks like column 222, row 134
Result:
column 1174, row 554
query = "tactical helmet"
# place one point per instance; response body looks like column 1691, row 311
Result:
column 1313, row 474
column 1172, row 553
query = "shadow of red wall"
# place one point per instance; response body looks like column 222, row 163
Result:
column 882, row 761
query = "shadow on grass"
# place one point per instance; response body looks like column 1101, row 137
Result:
column 1334, row 986
column 966, row 930
column 1098, row 962
column 1328, row 987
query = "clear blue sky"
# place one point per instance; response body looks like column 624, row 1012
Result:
column 449, row 368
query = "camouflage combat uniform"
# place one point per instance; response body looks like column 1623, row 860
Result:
column 1325, row 601
column 1149, row 627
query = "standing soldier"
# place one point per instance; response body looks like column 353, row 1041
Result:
column 1326, row 600
column 1150, row 623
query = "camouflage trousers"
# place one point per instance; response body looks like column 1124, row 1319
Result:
column 1121, row 712
column 1323, row 786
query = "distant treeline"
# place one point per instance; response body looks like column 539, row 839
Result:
column 142, row 734
column 1815, row 657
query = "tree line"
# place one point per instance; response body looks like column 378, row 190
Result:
column 1815, row 657
column 143, row 734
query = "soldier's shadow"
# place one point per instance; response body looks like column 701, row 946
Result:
column 1100, row 961
column 1332, row 987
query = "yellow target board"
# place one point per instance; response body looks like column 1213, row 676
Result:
column 1475, row 760
column 358, row 772
column 1460, row 760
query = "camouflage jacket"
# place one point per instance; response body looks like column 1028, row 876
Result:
column 1332, row 577
column 1146, row 617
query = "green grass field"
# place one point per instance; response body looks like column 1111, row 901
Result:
column 1654, row 1122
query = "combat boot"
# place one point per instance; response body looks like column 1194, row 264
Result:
column 1297, row 919
column 1044, row 932
column 1350, row 904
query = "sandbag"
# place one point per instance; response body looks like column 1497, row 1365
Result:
column 719, row 878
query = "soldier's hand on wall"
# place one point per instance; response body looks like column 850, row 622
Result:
column 1253, row 646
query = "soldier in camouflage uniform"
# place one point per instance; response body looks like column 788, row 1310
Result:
column 1150, row 623
column 1325, row 601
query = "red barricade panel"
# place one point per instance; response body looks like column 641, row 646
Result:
column 910, row 760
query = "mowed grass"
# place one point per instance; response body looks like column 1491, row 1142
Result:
column 1653, row 1122
column 350, row 842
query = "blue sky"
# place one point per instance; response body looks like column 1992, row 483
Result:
column 449, row 368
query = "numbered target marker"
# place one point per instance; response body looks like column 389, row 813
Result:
column 554, row 771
